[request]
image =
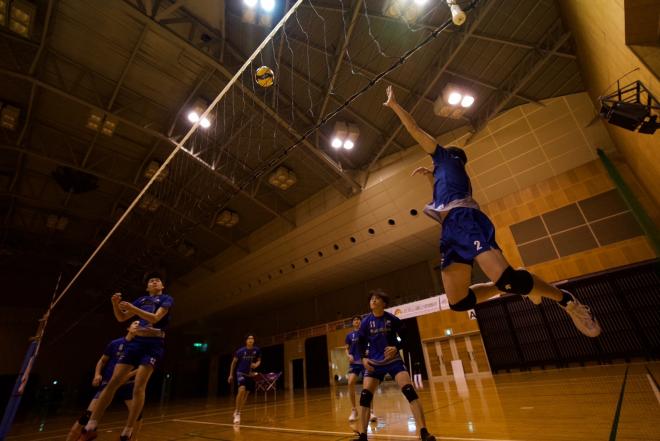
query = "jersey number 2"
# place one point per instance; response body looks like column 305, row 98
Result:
column 477, row 245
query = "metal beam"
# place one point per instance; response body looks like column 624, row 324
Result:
column 132, row 124
column 433, row 27
column 186, row 44
column 116, row 181
column 476, row 16
column 530, row 66
column 339, row 56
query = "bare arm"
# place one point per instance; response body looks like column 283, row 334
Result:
column 152, row 318
column 97, row 370
column 232, row 368
column 256, row 364
column 426, row 141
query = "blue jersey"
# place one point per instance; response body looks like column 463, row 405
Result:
column 151, row 304
column 352, row 341
column 378, row 333
column 246, row 357
column 450, row 180
column 114, row 349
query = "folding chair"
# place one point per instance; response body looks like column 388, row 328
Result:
column 266, row 382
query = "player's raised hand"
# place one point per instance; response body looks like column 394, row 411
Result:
column 391, row 98
column 230, row 379
column 116, row 297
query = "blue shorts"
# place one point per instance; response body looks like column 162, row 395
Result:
column 380, row 371
column 124, row 393
column 356, row 369
column 147, row 351
column 246, row 380
column 466, row 233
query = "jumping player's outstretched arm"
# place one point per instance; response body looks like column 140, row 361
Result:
column 148, row 316
column 120, row 314
column 426, row 141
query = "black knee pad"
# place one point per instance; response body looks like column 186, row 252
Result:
column 466, row 304
column 139, row 418
column 515, row 281
column 84, row 418
column 365, row 398
column 409, row 392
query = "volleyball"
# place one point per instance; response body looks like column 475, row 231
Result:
column 264, row 76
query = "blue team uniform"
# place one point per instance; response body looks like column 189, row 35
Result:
column 113, row 351
column 352, row 341
column 245, row 358
column 377, row 333
column 466, row 230
column 148, row 350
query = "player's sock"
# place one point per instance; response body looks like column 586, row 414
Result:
column 91, row 425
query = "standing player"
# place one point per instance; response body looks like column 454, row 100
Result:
column 145, row 350
column 355, row 367
column 379, row 330
column 102, row 373
column 468, row 235
column 245, row 360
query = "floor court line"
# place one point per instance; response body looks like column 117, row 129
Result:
column 326, row 432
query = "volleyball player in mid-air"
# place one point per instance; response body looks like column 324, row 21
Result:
column 145, row 351
column 468, row 235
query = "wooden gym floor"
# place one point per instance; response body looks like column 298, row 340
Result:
column 567, row 404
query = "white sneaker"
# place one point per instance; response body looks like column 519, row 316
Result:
column 354, row 416
column 373, row 418
column 582, row 317
column 237, row 418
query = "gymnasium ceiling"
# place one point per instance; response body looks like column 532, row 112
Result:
column 143, row 62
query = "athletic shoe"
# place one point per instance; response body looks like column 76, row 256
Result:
column 582, row 317
column 237, row 418
column 535, row 298
column 373, row 418
column 86, row 435
column 360, row 437
column 353, row 416
column 124, row 438
column 424, row 435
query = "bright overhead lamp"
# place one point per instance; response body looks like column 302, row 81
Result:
column 467, row 101
column 454, row 98
column 407, row 10
column 109, row 126
column 267, row 5
column 195, row 113
column 453, row 102
column 345, row 135
column 250, row 3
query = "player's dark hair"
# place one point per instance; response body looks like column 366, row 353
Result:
column 154, row 274
column 248, row 335
column 359, row 317
column 381, row 294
